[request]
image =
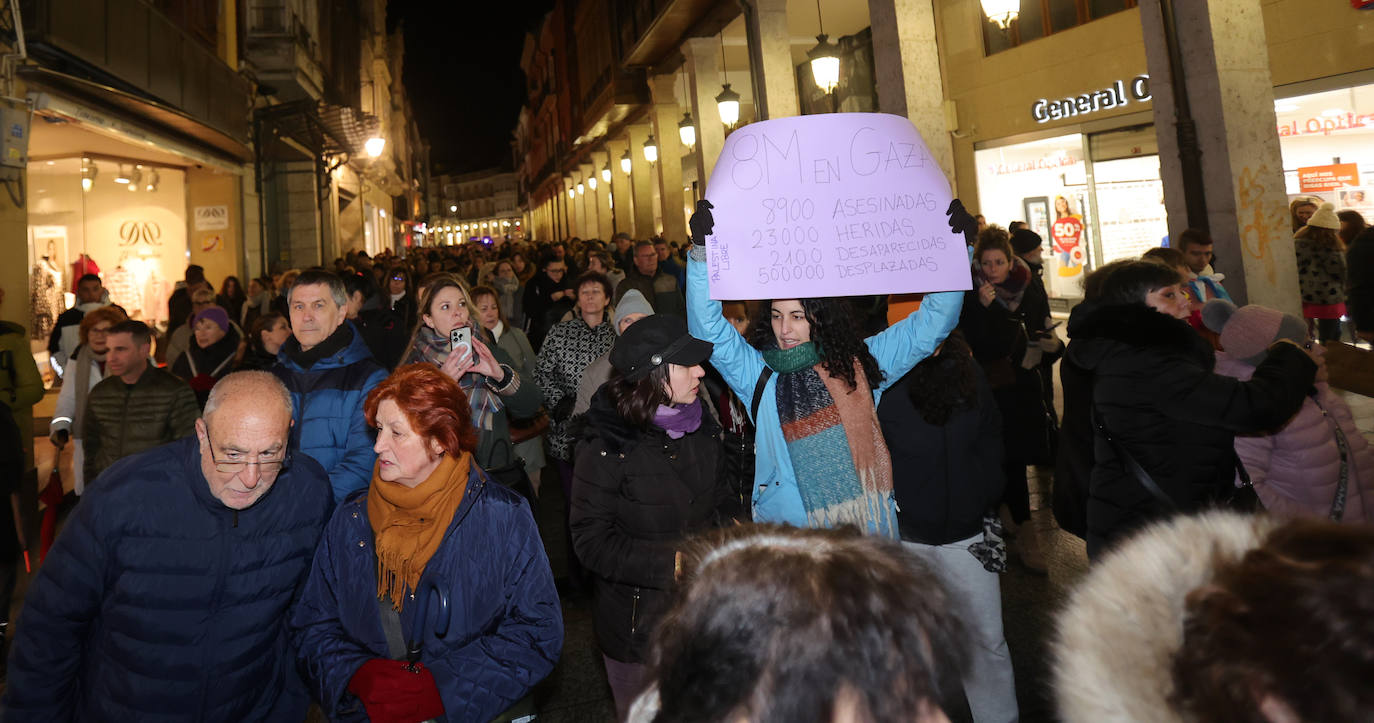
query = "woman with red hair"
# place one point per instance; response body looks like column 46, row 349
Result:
column 434, row 564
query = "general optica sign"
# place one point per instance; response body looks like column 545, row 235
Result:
column 840, row 204
column 1116, row 95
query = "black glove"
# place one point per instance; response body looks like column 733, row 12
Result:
column 702, row 222
column 961, row 221
column 564, row 408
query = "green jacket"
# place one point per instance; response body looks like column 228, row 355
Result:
column 21, row 386
column 122, row 420
column 495, row 449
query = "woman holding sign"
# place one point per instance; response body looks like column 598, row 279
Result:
column 821, row 460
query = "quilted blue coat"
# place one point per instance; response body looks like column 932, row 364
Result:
column 505, row 626
column 328, row 401
column 158, row 603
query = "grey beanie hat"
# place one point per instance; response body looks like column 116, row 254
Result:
column 633, row 302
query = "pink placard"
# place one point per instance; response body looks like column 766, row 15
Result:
column 838, row 204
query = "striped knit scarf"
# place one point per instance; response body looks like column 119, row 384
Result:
column 839, row 458
column 433, row 348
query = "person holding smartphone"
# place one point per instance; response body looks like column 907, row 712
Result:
column 448, row 335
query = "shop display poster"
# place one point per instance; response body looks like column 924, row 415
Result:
column 837, row 204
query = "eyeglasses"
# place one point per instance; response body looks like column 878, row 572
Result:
column 265, row 466
column 398, row 278
column 100, row 330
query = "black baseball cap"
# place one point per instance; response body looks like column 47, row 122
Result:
column 654, row 341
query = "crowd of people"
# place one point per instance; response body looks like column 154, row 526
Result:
column 318, row 489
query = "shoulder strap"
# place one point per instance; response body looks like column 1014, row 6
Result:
column 391, row 625
column 391, row 620
column 758, row 392
column 1133, row 466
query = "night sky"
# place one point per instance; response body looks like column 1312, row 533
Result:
column 462, row 71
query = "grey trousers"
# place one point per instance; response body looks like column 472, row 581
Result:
column 989, row 683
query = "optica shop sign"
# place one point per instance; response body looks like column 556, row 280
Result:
column 1327, row 125
column 1118, row 94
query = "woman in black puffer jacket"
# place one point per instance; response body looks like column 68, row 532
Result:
column 1154, row 391
column 1005, row 319
column 650, row 473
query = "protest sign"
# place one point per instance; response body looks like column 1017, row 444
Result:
column 840, row 204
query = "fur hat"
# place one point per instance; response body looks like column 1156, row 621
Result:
column 216, row 314
column 1024, row 241
column 1247, row 332
column 633, row 302
column 1325, row 217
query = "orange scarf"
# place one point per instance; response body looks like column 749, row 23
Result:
column 408, row 523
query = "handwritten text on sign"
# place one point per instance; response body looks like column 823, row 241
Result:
column 842, row 204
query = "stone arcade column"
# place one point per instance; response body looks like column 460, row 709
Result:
column 642, row 178
column 590, row 211
column 906, row 62
column 776, row 78
column 703, row 75
column 1231, row 93
column 620, row 188
column 603, row 196
column 666, row 114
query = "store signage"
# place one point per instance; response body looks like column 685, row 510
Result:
column 132, row 233
column 1116, row 95
column 1313, row 179
column 1326, row 125
column 211, row 218
column 834, row 204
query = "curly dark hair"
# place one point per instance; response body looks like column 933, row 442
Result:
column 1291, row 621
column 780, row 624
column 834, row 328
column 944, row 383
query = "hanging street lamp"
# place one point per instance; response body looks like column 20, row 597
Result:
column 1001, row 12
column 687, row 130
column 626, row 162
column 650, row 149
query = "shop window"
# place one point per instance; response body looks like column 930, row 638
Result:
column 1327, row 143
column 1039, row 18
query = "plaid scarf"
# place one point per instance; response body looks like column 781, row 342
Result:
column 841, row 463
column 433, row 348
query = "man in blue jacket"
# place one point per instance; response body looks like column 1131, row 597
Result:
column 329, row 370
column 165, row 597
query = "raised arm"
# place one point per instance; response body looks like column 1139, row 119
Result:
column 901, row 346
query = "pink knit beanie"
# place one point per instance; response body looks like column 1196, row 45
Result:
column 1247, row 332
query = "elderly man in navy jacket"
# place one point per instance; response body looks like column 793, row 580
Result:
column 165, row 597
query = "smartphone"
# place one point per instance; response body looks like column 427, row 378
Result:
column 460, row 337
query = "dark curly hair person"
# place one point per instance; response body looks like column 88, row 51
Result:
column 944, row 429
column 842, row 627
column 815, row 383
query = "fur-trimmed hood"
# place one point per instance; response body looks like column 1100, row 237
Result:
column 1115, row 640
column 1095, row 330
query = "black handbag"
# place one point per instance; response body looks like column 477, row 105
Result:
column 512, row 475
column 1241, row 498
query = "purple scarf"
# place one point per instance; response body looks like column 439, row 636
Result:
column 680, row 420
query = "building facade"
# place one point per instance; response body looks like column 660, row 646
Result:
column 481, row 206
column 1065, row 116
